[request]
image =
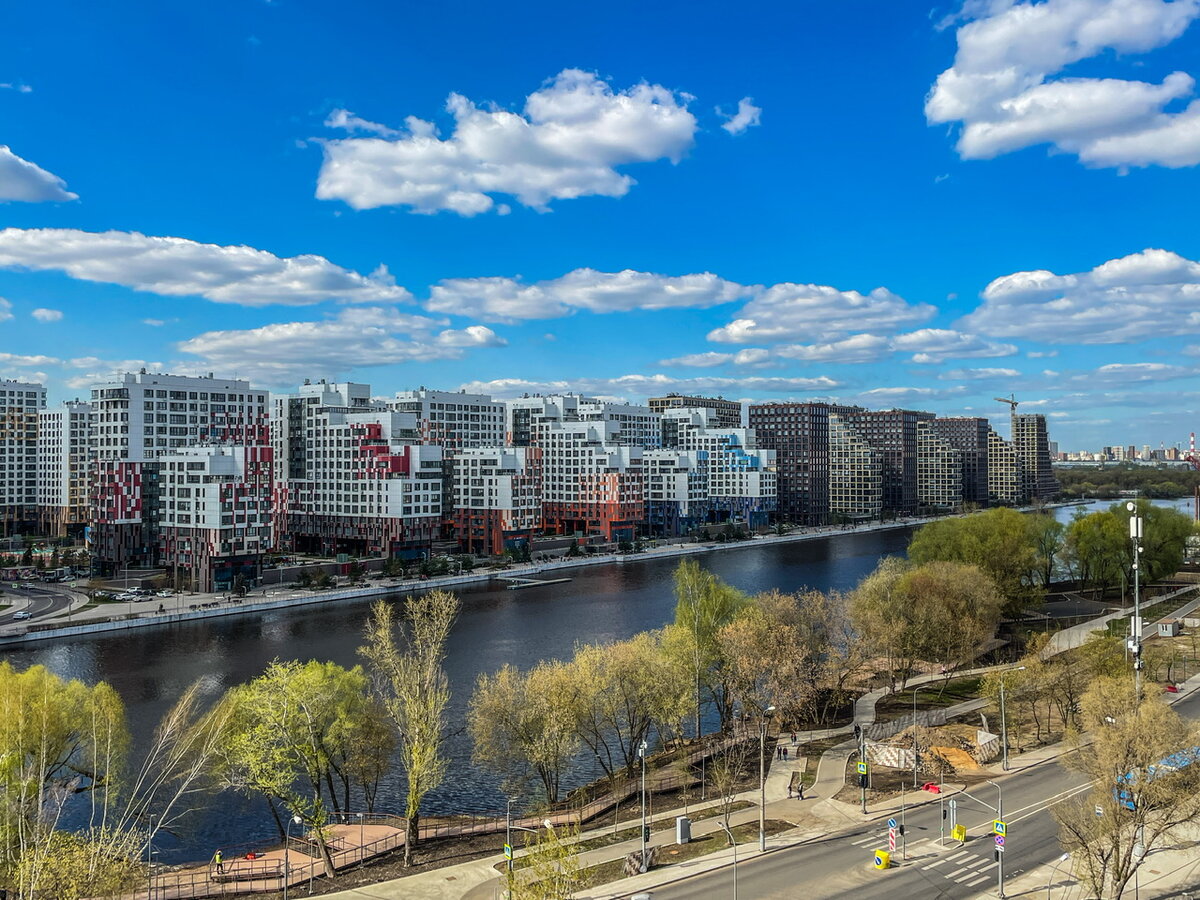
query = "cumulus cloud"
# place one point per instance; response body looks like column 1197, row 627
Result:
column 6, row 312
column 18, row 359
column 283, row 352
column 935, row 345
column 510, row 300
column 1143, row 295
column 1002, row 86
column 348, row 121
column 982, row 374
column 567, row 142
column 818, row 312
column 22, row 180
column 747, row 116
column 177, row 267
column 47, row 315
column 1132, row 373
column 643, row 386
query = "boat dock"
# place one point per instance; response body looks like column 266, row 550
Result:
column 515, row 584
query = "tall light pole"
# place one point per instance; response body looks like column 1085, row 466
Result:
column 1004, row 718
column 1062, row 859
column 1135, row 640
column 999, row 852
column 733, row 845
column 642, row 756
column 762, row 778
column 287, row 855
column 914, row 738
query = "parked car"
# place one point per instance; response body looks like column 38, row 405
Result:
column 126, row 597
column 23, row 614
column 165, row 593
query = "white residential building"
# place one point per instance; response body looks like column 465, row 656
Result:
column 20, row 404
column 497, row 498
column 63, row 468
column 453, row 420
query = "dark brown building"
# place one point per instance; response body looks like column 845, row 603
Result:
column 969, row 435
column 799, row 435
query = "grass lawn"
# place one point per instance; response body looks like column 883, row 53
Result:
column 614, row 869
column 629, row 834
column 936, row 695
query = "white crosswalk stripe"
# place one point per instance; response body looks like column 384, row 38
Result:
column 934, row 865
column 976, row 882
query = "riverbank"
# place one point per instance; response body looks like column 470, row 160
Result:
column 85, row 618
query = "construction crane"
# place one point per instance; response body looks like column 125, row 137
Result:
column 1011, row 401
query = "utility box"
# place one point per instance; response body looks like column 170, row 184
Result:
column 683, row 830
column 1169, row 628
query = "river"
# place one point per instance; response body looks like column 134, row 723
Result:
column 151, row 667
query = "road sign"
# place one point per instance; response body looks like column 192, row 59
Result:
column 892, row 840
column 1000, row 843
column 1000, row 827
column 508, row 851
column 862, row 768
column 892, row 823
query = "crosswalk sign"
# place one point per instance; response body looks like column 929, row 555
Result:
column 999, row 827
column 508, row 851
column 862, row 768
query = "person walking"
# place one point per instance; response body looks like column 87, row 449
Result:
column 220, row 861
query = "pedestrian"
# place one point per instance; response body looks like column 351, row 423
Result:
column 785, row 754
column 219, row 860
column 789, row 792
column 793, row 739
column 800, row 790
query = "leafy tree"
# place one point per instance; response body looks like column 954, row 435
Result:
column 1049, row 540
column 27, row 557
column 1001, row 542
column 703, row 604
column 295, row 734
column 355, row 570
column 1096, row 547
column 552, row 869
column 1101, row 550
column 522, row 722
column 406, row 658
column 1140, row 801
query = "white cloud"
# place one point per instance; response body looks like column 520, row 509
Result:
column 5, row 310
column 982, row 374
column 17, row 359
column 1132, row 373
column 17, row 86
column 154, row 323
column 1003, row 91
column 509, row 300
column 47, row 315
column 1042, row 354
column 22, row 180
column 348, row 121
column 643, row 386
column 817, row 312
column 177, row 267
column 747, row 116
column 283, row 352
column 935, row 345
column 568, row 142
column 1135, row 297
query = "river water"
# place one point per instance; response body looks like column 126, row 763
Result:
column 151, row 667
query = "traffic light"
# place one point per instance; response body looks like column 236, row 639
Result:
column 645, row 832
column 862, row 781
column 944, row 815
column 900, row 830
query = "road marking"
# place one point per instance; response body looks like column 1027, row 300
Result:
column 959, row 855
column 977, row 881
column 971, row 865
column 990, row 865
column 934, row 864
column 961, row 878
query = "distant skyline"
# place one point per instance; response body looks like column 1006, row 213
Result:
column 875, row 203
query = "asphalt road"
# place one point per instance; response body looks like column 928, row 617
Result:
column 44, row 600
column 839, row 866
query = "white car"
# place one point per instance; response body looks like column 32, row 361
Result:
column 23, row 614
column 165, row 593
column 126, row 597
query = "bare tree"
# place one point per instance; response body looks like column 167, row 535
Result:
column 407, row 659
column 1141, row 760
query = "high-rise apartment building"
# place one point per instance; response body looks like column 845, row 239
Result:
column 799, row 434
column 140, row 418
column 1031, row 443
column 855, row 473
column 20, row 404
column 63, row 469
column 969, row 436
column 893, row 434
column 352, row 476
column 215, row 518
column 1005, row 479
column 633, row 425
column 939, row 470
column 497, row 498
column 727, row 413
column 453, row 420
column 677, row 497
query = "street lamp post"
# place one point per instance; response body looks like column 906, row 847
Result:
column 1062, row 859
column 287, row 855
column 999, row 852
column 914, row 738
column 362, row 846
column 762, row 778
column 1135, row 643
column 733, row 845
column 642, row 756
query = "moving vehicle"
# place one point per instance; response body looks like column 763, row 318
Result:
column 22, row 614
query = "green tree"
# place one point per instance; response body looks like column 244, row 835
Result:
column 523, row 722
column 407, row 660
column 703, row 604
column 1001, row 542
column 1049, row 540
column 295, row 736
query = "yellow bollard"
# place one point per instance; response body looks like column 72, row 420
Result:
column 883, row 859
column 959, row 833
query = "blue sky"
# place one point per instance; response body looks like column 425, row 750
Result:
column 881, row 203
